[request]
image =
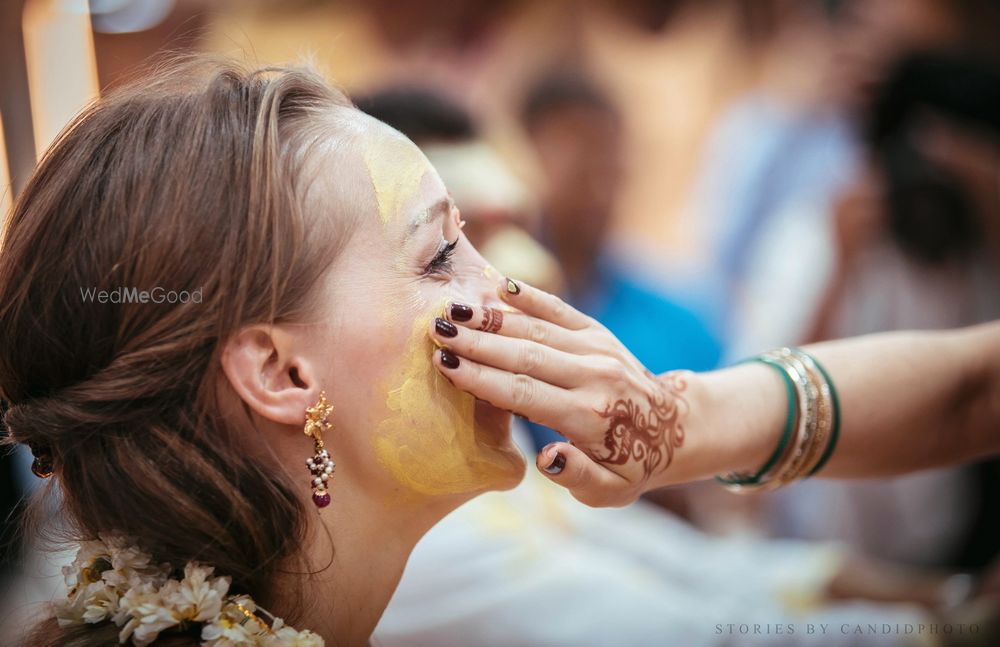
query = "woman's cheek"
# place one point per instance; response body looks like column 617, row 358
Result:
column 428, row 440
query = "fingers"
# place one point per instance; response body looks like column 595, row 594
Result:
column 588, row 482
column 536, row 303
column 526, row 396
column 514, row 324
column 510, row 354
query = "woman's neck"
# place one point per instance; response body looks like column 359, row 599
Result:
column 360, row 561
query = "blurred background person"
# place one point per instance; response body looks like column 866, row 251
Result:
column 918, row 246
column 788, row 186
column 577, row 136
column 918, row 236
column 781, row 155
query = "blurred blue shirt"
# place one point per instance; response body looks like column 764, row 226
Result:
column 662, row 334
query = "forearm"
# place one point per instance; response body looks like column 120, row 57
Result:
column 912, row 401
column 908, row 401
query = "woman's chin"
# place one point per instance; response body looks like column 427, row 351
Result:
column 493, row 434
column 492, row 425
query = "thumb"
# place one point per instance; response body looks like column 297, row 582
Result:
column 588, row 481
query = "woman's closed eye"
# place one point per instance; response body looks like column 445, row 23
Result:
column 441, row 263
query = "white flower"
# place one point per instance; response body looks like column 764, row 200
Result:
column 91, row 604
column 283, row 636
column 130, row 567
column 146, row 615
column 289, row 637
column 231, row 628
column 101, row 603
column 89, row 553
column 112, row 579
column 197, row 597
column 89, row 599
column 71, row 609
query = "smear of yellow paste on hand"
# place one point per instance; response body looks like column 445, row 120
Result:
column 428, row 443
column 396, row 167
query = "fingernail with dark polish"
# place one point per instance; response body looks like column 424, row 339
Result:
column 512, row 287
column 448, row 358
column 557, row 464
column 445, row 328
column 461, row 312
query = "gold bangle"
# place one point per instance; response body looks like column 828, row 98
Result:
column 806, row 437
column 825, row 415
column 814, row 420
column 796, row 379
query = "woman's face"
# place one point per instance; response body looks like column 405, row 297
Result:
column 399, row 426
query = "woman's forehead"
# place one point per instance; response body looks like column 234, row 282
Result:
column 378, row 183
column 403, row 183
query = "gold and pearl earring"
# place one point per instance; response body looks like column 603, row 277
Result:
column 320, row 464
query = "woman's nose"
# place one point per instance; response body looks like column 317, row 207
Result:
column 481, row 286
column 484, row 289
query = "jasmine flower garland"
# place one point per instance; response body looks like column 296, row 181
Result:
column 111, row 579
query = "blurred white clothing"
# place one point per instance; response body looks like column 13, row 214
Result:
column 533, row 566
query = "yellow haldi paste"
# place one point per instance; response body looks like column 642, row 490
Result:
column 396, row 168
column 428, row 443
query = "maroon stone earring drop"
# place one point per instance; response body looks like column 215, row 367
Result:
column 320, row 464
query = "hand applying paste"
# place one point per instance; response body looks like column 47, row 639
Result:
column 563, row 369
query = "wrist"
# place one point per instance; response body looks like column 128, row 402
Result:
column 732, row 419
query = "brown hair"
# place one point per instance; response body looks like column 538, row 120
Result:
column 191, row 179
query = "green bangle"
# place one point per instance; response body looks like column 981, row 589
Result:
column 786, row 435
column 835, row 433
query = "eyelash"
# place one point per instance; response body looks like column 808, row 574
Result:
column 441, row 263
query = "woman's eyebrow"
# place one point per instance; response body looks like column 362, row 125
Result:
column 439, row 209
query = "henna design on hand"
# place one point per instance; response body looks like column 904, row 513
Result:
column 649, row 437
column 492, row 320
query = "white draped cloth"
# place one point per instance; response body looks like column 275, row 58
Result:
column 533, row 566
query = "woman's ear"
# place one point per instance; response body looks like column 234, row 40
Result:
column 263, row 367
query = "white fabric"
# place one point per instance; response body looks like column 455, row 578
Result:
column 532, row 566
